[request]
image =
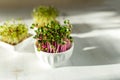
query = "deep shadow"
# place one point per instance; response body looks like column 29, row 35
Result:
column 67, row 4
column 8, row 14
column 103, row 53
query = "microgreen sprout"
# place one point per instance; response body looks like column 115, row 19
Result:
column 13, row 32
column 44, row 14
column 54, row 37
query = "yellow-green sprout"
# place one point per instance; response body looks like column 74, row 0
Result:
column 44, row 14
column 13, row 32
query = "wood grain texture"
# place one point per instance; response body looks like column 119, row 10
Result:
column 96, row 33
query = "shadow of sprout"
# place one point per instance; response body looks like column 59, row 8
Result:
column 88, row 29
column 93, row 51
column 81, row 28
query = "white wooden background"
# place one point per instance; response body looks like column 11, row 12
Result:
column 96, row 56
